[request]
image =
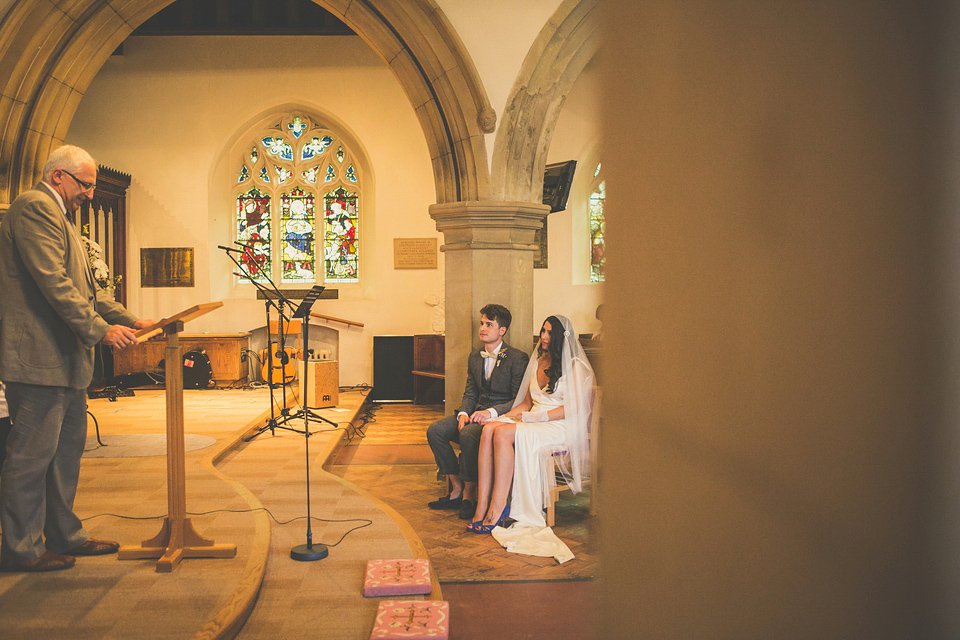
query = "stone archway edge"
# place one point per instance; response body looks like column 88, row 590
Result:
column 563, row 48
column 69, row 46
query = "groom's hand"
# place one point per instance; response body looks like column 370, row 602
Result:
column 480, row 417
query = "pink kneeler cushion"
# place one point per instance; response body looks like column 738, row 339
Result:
column 412, row 620
column 397, row 578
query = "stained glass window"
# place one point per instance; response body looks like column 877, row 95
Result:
column 282, row 173
column 297, row 224
column 297, row 126
column 315, row 147
column 279, row 147
column 254, row 230
column 310, row 175
column 597, row 230
column 340, row 236
column 293, row 161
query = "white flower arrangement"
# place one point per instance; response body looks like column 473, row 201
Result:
column 101, row 272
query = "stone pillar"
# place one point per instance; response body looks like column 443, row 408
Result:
column 488, row 257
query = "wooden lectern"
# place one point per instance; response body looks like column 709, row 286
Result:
column 177, row 538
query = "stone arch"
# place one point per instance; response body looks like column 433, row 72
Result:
column 50, row 53
column 565, row 45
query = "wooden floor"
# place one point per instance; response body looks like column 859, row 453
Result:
column 394, row 463
column 106, row 598
column 492, row 593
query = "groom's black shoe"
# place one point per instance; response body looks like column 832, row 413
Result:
column 446, row 503
column 466, row 510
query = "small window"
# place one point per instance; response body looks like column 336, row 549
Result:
column 597, row 226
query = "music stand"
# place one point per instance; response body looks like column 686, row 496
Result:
column 303, row 315
column 273, row 423
column 309, row 551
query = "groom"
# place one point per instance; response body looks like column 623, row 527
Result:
column 494, row 374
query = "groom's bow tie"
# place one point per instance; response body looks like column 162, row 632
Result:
column 486, row 354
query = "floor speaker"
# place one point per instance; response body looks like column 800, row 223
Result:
column 323, row 377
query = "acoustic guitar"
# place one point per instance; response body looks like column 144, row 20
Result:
column 284, row 365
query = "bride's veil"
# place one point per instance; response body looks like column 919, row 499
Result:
column 577, row 400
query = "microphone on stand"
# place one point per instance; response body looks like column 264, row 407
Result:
column 230, row 249
column 247, row 250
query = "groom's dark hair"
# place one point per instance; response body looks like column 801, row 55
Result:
column 498, row 313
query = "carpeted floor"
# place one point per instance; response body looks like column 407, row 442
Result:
column 140, row 445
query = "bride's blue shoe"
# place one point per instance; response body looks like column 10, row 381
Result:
column 479, row 527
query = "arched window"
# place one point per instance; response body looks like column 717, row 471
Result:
column 597, row 225
column 290, row 168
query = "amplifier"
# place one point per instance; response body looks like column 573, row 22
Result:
column 323, row 377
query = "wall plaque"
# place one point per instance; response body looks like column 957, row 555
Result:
column 414, row 253
column 166, row 267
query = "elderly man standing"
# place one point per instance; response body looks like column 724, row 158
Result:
column 51, row 315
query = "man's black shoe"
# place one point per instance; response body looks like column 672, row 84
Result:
column 466, row 510
column 446, row 503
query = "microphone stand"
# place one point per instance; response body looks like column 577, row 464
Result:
column 308, row 552
column 273, row 423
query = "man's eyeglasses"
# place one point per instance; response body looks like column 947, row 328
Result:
column 87, row 186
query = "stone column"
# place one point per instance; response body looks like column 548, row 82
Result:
column 488, row 257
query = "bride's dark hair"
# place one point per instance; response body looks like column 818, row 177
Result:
column 556, row 352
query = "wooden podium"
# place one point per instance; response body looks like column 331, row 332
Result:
column 177, row 538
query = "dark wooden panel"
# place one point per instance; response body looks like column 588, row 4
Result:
column 392, row 368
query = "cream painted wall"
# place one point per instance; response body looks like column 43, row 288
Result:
column 169, row 112
column 564, row 288
column 498, row 34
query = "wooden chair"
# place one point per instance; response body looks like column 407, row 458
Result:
column 561, row 484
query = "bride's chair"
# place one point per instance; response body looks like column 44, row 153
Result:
column 554, row 465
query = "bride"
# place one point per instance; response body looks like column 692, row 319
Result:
column 550, row 415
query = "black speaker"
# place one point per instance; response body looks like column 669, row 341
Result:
column 392, row 369
column 557, row 180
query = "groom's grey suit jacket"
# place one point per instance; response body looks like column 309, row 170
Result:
column 500, row 391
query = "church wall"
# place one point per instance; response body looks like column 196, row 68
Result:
column 183, row 100
column 564, row 287
column 168, row 112
column 498, row 34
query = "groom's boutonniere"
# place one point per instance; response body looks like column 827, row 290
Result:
column 501, row 356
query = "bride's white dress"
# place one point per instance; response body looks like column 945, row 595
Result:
column 530, row 482
column 530, row 534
